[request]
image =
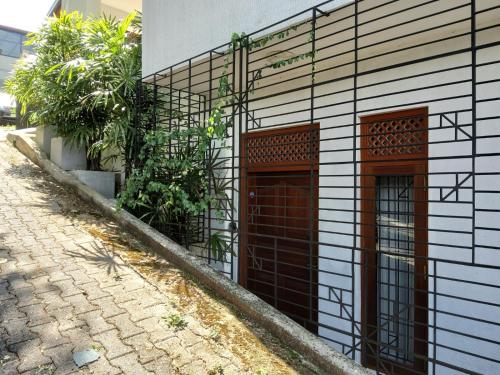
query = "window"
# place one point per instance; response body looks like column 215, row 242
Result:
column 394, row 239
column 11, row 43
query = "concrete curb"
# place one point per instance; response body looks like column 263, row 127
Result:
column 280, row 325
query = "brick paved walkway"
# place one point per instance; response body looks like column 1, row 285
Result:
column 71, row 280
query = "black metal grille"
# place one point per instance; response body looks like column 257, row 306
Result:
column 395, row 267
column 401, row 276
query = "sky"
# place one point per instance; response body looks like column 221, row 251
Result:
column 24, row 14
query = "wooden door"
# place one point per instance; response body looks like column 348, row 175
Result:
column 394, row 241
column 279, row 237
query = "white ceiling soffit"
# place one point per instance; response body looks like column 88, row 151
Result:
column 124, row 5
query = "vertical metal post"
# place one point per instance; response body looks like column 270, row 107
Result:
column 171, row 112
column 189, row 100
column 242, row 170
column 132, row 140
column 209, row 247
column 155, row 101
column 240, row 119
column 312, row 172
column 355, row 176
column 474, row 124
column 434, row 308
column 241, row 90
column 275, row 254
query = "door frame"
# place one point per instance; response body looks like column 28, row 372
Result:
column 287, row 166
column 416, row 166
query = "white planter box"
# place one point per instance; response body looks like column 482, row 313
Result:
column 66, row 156
column 102, row 182
column 43, row 137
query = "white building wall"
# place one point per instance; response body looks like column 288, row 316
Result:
column 450, row 239
column 455, row 293
column 177, row 30
column 86, row 7
column 98, row 8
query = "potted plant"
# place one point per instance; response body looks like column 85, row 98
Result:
column 81, row 82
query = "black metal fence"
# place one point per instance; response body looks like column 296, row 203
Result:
column 361, row 173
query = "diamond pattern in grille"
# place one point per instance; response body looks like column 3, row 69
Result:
column 291, row 148
column 396, row 137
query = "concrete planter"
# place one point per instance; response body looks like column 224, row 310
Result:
column 102, row 182
column 43, row 137
column 65, row 156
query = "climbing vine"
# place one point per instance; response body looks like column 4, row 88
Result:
column 178, row 177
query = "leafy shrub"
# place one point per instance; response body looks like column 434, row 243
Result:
column 82, row 80
column 179, row 174
column 171, row 190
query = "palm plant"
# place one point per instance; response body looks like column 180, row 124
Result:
column 82, row 80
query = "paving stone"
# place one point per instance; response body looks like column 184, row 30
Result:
column 129, row 365
column 63, row 289
column 132, row 283
column 113, row 344
column 158, row 331
column 182, row 359
column 30, row 355
column 57, row 275
column 45, row 261
column 79, row 338
column 145, row 349
column 194, row 367
column 42, row 284
column 53, row 301
column 147, row 297
column 162, row 365
column 10, row 311
column 49, row 335
column 80, row 277
column 10, row 367
column 80, row 303
column 92, row 291
column 108, row 307
column 67, row 319
column 67, row 288
column 17, row 281
column 36, row 315
column 158, row 310
column 119, row 294
column 17, row 331
column 205, row 351
column 96, row 323
column 22, row 258
column 101, row 366
column 69, row 245
column 105, row 279
column 62, row 357
column 4, row 292
column 125, row 326
column 188, row 338
column 172, row 346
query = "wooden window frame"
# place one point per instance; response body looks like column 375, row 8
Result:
column 393, row 165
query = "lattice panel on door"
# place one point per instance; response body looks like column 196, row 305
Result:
column 391, row 138
column 296, row 147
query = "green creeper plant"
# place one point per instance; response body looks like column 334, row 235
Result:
column 178, row 174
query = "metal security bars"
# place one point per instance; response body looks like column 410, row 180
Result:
column 361, row 172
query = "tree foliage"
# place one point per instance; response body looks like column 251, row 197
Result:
column 81, row 80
